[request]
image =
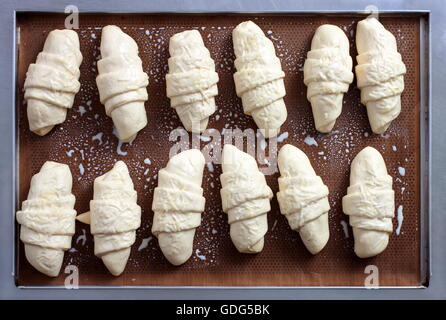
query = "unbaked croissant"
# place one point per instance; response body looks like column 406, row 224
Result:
column 178, row 203
column 47, row 218
column 114, row 217
column 192, row 80
column 259, row 78
column 303, row 198
column 245, row 198
column 122, row 82
column 370, row 203
column 379, row 73
column 53, row 81
column 328, row 74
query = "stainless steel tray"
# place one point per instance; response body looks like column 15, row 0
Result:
column 155, row 292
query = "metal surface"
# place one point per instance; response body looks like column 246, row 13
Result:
column 436, row 287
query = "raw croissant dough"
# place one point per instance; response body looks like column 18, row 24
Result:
column 178, row 203
column 259, row 78
column 303, row 198
column 122, row 82
column 53, row 81
column 192, row 80
column 48, row 218
column 370, row 203
column 379, row 73
column 114, row 217
column 245, row 198
column 328, row 74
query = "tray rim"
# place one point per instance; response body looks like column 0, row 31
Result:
column 425, row 145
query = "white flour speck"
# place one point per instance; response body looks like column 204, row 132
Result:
column 394, row 148
column 70, row 153
column 214, row 231
column 400, row 219
column 119, row 149
column 366, row 134
column 402, row 171
column 199, row 255
column 345, row 228
column 93, row 35
column 81, row 110
column 144, row 244
column 97, row 137
column 81, row 169
column 120, row 143
column 210, row 166
column 147, row 161
column 310, row 141
column 282, row 137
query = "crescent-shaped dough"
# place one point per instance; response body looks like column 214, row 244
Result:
column 48, row 218
column 259, row 78
column 53, row 81
column 245, row 198
column 379, row 73
column 114, row 217
column 303, row 198
column 370, row 203
column 192, row 80
column 122, row 83
column 328, row 74
column 178, row 203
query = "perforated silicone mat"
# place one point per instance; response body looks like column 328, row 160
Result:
column 86, row 143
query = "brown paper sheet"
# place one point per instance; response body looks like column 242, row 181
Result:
column 215, row 262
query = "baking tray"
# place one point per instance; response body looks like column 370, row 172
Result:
column 284, row 261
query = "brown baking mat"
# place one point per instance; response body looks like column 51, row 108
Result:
column 85, row 142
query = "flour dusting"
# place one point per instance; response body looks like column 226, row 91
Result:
column 310, row 141
column 98, row 137
column 402, row 171
column 282, row 137
column 144, row 243
column 400, row 218
column 199, row 255
column 81, row 169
